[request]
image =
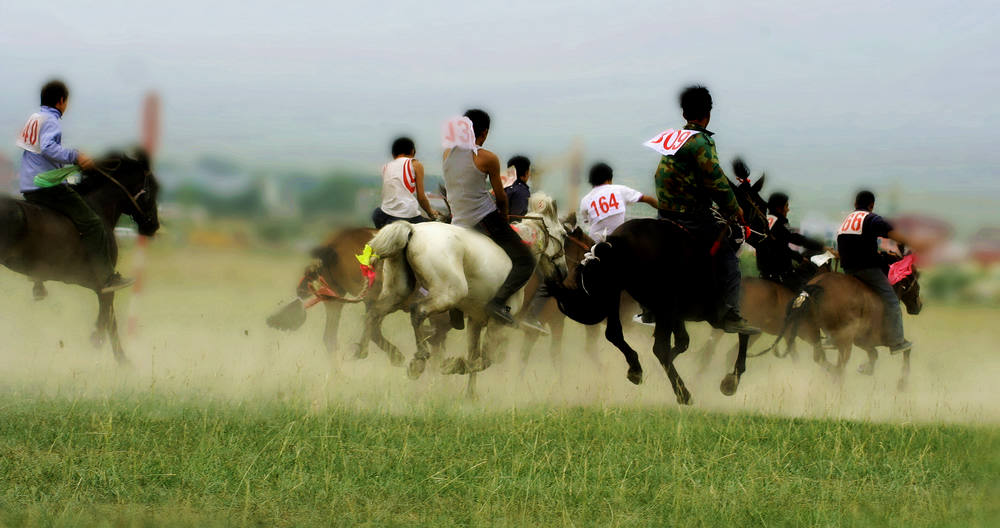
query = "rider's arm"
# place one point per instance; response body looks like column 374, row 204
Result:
column 50, row 143
column 907, row 241
column 646, row 199
column 714, row 180
column 425, row 204
column 489, row 163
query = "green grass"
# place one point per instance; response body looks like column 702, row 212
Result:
column 144, row 460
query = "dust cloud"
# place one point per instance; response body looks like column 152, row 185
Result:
column 201, row 338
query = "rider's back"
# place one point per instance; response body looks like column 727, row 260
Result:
column 468, row 197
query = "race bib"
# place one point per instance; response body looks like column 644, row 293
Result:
column 853, row 223
column 604, row 205
column 409, row 177
column 670, row 141
column 771, row 219
column 508, row 178
column 458, row 132
column 30, row 137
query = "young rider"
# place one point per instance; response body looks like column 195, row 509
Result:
column 519, row 192
column 775, row 259
column 466, row 173
column 857, row 242
column 687, row 182
column 603, row 208
column 403, row 193
column 42, row 176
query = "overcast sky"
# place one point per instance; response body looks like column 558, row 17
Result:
column 826, row 98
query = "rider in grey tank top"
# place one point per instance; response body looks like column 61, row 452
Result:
column 467, row 188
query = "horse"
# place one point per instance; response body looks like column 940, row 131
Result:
column 336, row 278
column 460, row 269
column 44, row 245
column 851, row 314
column 665, row 270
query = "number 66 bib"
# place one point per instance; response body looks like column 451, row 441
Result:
column 30, row 137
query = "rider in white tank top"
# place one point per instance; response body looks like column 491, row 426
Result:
column 399, row 186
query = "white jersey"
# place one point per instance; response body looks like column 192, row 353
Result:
column 603, row 208
column 399, row 185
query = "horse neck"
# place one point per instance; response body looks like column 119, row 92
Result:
column 105, row 200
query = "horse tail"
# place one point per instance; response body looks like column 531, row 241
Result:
column 797, row 309
column 596, row 284
column 12, row 222
column 392, row 239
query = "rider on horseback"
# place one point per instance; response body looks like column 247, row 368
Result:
column 518, row 192
column 857, row 241
column 687, row 183
column 403, row 188
column 471, row 206
column 777, row 261
column 603, row 208
column 45, row 165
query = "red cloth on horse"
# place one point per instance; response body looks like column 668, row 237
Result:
column 901, row 269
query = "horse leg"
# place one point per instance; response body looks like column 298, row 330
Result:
column 904, row 378
column 708, row 349
column 420, row 357
column 666, row 355
column 614, row 334
column 530, row 338
column 592, row 332
column 100, row 332
column 396, row 287
column 39, row 292
column 556, row 326
column 333, row 310
column 732, row 380
column 868, row 368
column 843, row 356
column 107, row 308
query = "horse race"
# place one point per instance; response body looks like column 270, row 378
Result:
column 523, row 264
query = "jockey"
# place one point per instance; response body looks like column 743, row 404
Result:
column 857, row 241
column 603, row 208
column 403, row 188
column 464, row 174
column 687, row 183
column 519, row 192
column 45, row 164
column 777, row 261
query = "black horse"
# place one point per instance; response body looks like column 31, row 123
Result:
column 44, row 245
column 666, row 270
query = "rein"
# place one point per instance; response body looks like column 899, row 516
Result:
column 133, row 199
column 548, row 236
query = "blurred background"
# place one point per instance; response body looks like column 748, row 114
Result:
column 270, row 122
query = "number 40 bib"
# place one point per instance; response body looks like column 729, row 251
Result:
column 30, row 137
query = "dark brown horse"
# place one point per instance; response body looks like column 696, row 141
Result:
column 44, row 245
column 336, row 279
column 851, row 314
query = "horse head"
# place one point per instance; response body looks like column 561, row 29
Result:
column 908, row 291
column 753, row 204
column 551, row 249
column 136, row 187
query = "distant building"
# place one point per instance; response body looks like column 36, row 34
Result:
column 984, row 246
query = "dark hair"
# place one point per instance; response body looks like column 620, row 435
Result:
column 403, row 146
column 600, row 173
column 53, row 92
column 696, row 102
column 776, row 202
column 521, row 164
column 864, row 200
column 480, row 121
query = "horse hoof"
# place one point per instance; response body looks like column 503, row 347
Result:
column 416, row 368
column 684, row 396
column 866, row 368
column 396, row 358
column 635, row 376
column 454, row 365
column 729, row 384
column 359, row 352
column 97, row 339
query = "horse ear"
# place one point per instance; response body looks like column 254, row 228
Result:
column 760, row 183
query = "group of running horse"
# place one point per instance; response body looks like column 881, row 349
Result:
column 436, row 270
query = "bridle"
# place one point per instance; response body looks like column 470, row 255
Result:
column 134, row 198
column 548, row 236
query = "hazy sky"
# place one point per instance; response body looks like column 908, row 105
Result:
column 825, row 98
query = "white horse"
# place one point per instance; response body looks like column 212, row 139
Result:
column 459, row 268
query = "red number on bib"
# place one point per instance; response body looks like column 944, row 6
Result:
column 409, row 178
column 603, row 202
column 30, row 133
column 593, row 205
column 856, row 223
column 613, row 202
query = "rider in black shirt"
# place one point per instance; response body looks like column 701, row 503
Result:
column 777, row 261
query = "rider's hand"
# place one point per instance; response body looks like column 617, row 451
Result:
column 832, row 251
column 84, row 161
column 739, row 215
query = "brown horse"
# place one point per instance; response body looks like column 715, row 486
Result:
column 334, row 279
column 45, row 245
column 851, row 314
column 764, row 304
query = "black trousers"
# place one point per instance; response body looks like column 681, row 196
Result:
column 523, row 264
column 95, row 238
column 381, row 219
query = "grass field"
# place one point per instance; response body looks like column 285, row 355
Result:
column 222, row 421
